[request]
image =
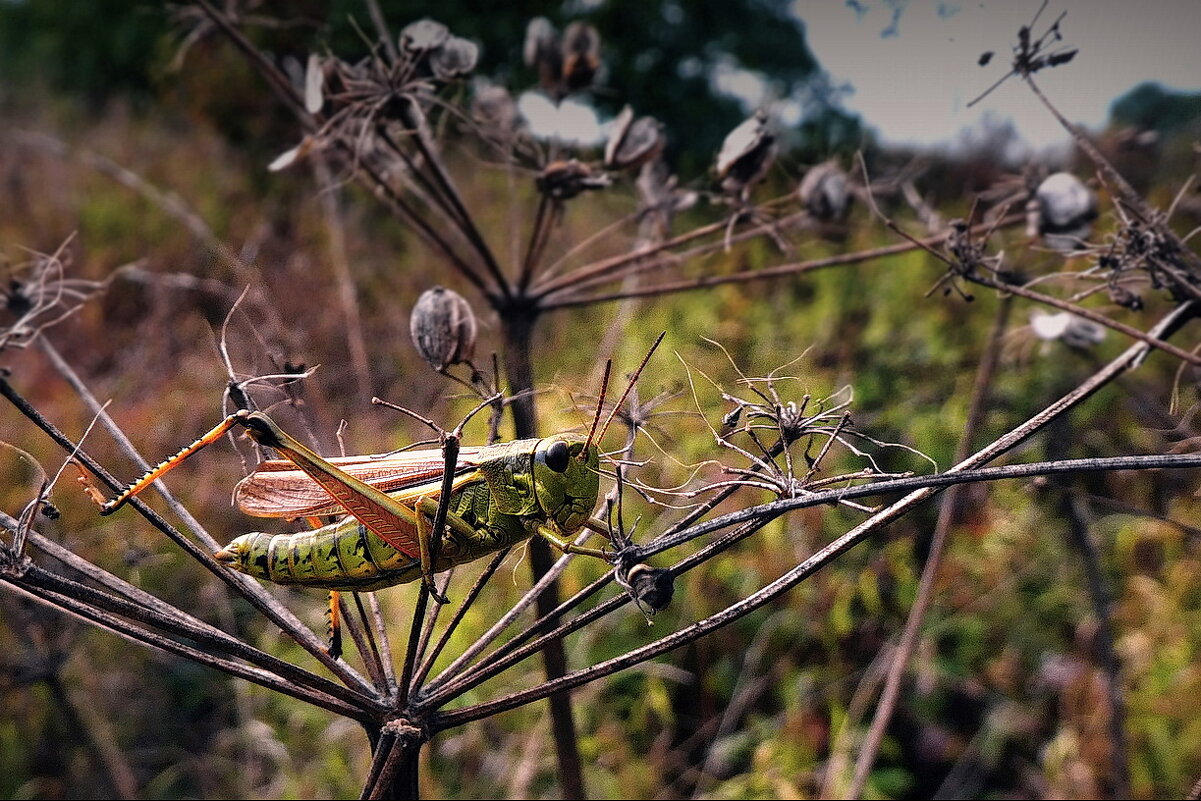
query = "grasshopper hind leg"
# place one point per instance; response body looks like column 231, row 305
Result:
column 334, row 629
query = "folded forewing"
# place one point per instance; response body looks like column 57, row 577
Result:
column 277, row 488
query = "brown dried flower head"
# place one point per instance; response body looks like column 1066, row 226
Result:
column 566, row 63
column 825, row 191
column 563, row 180
column 746, row 154
column 443, row 328
column 633, row 142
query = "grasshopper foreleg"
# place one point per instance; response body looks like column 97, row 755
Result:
column 599, row 526
column 425, row 536
column 567, row 546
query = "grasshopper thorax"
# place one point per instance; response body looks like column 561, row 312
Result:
column 566, row 473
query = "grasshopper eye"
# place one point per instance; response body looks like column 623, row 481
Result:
column 557, row 456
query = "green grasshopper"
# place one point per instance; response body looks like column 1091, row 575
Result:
column 501, row 495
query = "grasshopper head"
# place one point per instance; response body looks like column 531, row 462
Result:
column 565, row 484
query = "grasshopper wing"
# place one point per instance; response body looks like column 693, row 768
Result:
column 278, row 488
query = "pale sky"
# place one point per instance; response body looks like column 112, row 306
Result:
column 913, row 74
column 913, row 84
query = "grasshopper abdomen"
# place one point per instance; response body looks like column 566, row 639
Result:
column 349, row 556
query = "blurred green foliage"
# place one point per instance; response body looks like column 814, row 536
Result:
column 94, row 50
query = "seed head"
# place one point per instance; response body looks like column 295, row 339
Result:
column 1066, row 210
column 825, row 192
column 634, row 142
column 563, row 180
column 443, row 328
column 566, row 63
column 746, row 154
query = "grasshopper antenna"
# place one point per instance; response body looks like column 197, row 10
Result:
column 629, row 387
column 600, row 408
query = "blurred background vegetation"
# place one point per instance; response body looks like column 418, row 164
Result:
column 1005, row 693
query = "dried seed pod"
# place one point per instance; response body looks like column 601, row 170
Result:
column 314, row 83
column 581, row 56
column 651, row 588
column 290, row 157
column 1067, row 328
column 443, row 328
column 658, row 189
column 825, row 192
column 1125, row 298
column 493, row 108
column 543, row 52
column 454, row 59
column 565, row 64
column 746, row 154
column 563, row 180
column 423, row 35
column 659, row 201
column 1066, row 210
column 633, row 142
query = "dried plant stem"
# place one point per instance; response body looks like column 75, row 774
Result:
column 1110, row 372
column 455, row 680
column 427, row 629
column 244, row 585
column 1129, row 197
column 751, row 519
column 381, row 27
column 1102, row 601
column 946, row 516
column 777, row 271
column 1089, row 314
column 364, row 641
column 348, row 297
column 362, row 171
column 424, row 230
column 472, row 594
column 450, row 452
column 95, row 407
column 518, row 326
column 612, row 267
column 720, row 247
column 461, row 672
column 137, row 623
column 455, row 206
column 385, row 645
column 394, row 762
column 544, row 217
column 181, row 623
column 98, row 736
